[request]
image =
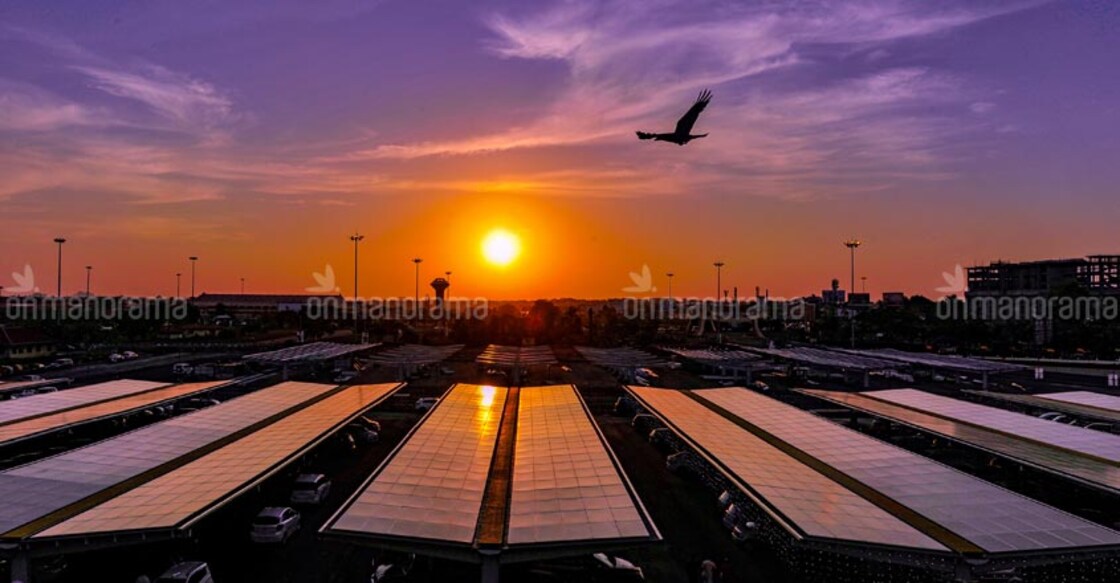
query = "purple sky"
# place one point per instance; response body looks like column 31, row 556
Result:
column 943, row 132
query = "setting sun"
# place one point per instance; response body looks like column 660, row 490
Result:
column 500, row 247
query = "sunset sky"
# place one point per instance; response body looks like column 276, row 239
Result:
column 260, row 135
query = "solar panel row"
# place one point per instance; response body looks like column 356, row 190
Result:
column 808, row 503
column 432, row 486
column 565, row 485
column 1087, row 469
column 19, row 409
column 37, row 495
column 1079, row 440
column 171, row 500
column 991, row 518
column 1087, row 398
column 26, row 428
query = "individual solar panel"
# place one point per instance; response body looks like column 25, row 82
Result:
column 176, row 497
column 829, row 358
column 23, row 429
column 806, row 501
column 1099, row 473
column 1051, row 405
column 18, row 409
column 311, row 352
column 1086, row 398
column 1076, row 439
column 432, row 487
column 566, row 486
column 993, row 519
column 31, row 492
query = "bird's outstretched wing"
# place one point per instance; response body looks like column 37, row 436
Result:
column 684, row 125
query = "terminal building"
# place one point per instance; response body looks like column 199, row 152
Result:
column 1096, row 274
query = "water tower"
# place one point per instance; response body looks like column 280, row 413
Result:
column 440, row 286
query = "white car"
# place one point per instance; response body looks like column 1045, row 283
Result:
column 129, row 355
column 116, row 357
column 426, row 403
column 310, row 489
column 187, row 572
column 274, row 524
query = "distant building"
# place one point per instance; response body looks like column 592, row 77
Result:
column 255, row 305
column 24, row 344
column 834, row 296
column 894, row 299
column 859, row 299
column 1096, row 274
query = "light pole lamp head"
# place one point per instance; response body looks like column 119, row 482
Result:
column 853, row 243
column 718, row 264
column 417, row 260
column 356, row 237
column 193, row 258
column 59, row 240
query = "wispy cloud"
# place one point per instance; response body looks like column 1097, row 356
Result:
column 189, row 102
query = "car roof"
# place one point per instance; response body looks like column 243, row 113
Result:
column 309, row 477
column 273, row 510
column 183, row 569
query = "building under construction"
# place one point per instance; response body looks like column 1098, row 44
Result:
column 1096, row 274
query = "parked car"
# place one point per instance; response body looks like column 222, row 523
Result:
column 310, row 489
column 116, row 357
column 187, row 572
column 345, row 376
column 130, row 355
column 274, row 524
column 61, row 362
column 426, row 403
column 182, row 368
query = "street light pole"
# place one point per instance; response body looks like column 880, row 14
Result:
column 852, row 244
column 242, row 286
column 356, row 238
column 60, row 241
column 670, row 276
column 89, row 271
column 194, row 260
column 417, row 261
column 719, row 281
column 178, row 282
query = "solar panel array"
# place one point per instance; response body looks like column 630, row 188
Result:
column 562, row 486
column 10, row 386
column 940, row 361
column 1095, row 471
column 22, row 429
column 829, row 358
column 628, row 357
column 415, row 354
column 173, row 498
column 312, row 352
column 565, row 484
column 993, row 519
column 1077, row 439
column 1086, row 398
column 17, row 409
column 33, row 491
column 804, row 500
column 432, row 487
column 516, row 355
column 1055, row 405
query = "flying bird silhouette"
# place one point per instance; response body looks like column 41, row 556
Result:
column 681, row 135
